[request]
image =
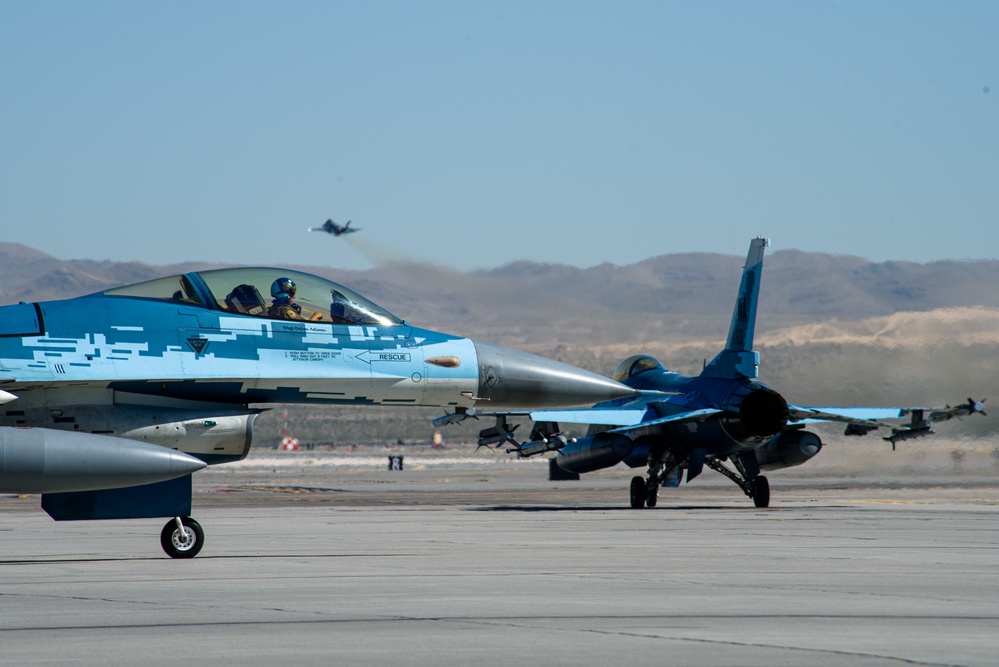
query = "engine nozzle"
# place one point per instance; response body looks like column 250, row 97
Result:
column 754, row 413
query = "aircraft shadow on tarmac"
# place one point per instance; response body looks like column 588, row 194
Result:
column 227, row 556
column 614, row 508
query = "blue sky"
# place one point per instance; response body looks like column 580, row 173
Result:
column 471, row 134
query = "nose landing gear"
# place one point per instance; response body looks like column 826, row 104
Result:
column 182, row 537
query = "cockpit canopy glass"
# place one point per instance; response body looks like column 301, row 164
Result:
column 248, row 291
column 636, row 364
column 172, row 288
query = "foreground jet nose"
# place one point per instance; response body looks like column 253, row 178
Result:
column 514, row 380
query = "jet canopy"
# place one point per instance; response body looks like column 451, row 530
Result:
column 247, row 291
column 636, row 364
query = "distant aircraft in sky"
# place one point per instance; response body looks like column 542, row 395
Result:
column 331, row 227
column 725, row 414
column 112, row 400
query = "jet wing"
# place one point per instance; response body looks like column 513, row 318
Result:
column 628, row 419
column 848, row 415
column 874, row 416
column 860, row 420
column 625, row 415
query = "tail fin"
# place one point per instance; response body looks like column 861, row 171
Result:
column 738, row 359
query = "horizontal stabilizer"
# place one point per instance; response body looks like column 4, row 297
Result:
column 812, row 414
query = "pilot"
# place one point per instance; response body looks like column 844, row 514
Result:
column 283, row 291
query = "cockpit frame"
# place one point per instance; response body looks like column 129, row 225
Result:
column 246, row 291
column 636, row 365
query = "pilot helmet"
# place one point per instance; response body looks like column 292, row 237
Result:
column 283, row 288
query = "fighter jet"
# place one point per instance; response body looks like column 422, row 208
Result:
column 331, row 227
column 112, row 400
column 724, row 415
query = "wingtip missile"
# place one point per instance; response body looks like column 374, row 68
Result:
column 963, row 410
column 977, row 406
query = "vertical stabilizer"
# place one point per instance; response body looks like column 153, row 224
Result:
column 738, row 359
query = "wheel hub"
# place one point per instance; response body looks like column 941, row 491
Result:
column 183, row 540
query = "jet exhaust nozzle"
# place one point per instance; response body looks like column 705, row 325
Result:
column 754, row 413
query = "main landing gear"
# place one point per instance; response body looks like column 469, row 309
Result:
column 639, row 495
column 760, row 492
column 645, row 492
column 182, row 537
column 757, row 488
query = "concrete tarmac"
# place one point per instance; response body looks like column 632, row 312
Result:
column 490, row 564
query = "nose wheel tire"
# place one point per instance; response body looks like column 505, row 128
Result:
column 182, row 544
column 761, row 491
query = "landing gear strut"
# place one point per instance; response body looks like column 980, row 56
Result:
column 182, row 537
column 757, row 488
column 645, row 492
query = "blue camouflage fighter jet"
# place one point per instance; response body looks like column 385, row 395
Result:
column 724, row 415
column 110, row 401
column 331, row 227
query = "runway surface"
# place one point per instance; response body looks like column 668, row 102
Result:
column 486, row 562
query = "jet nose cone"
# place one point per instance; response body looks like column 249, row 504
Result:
column 512, row 380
